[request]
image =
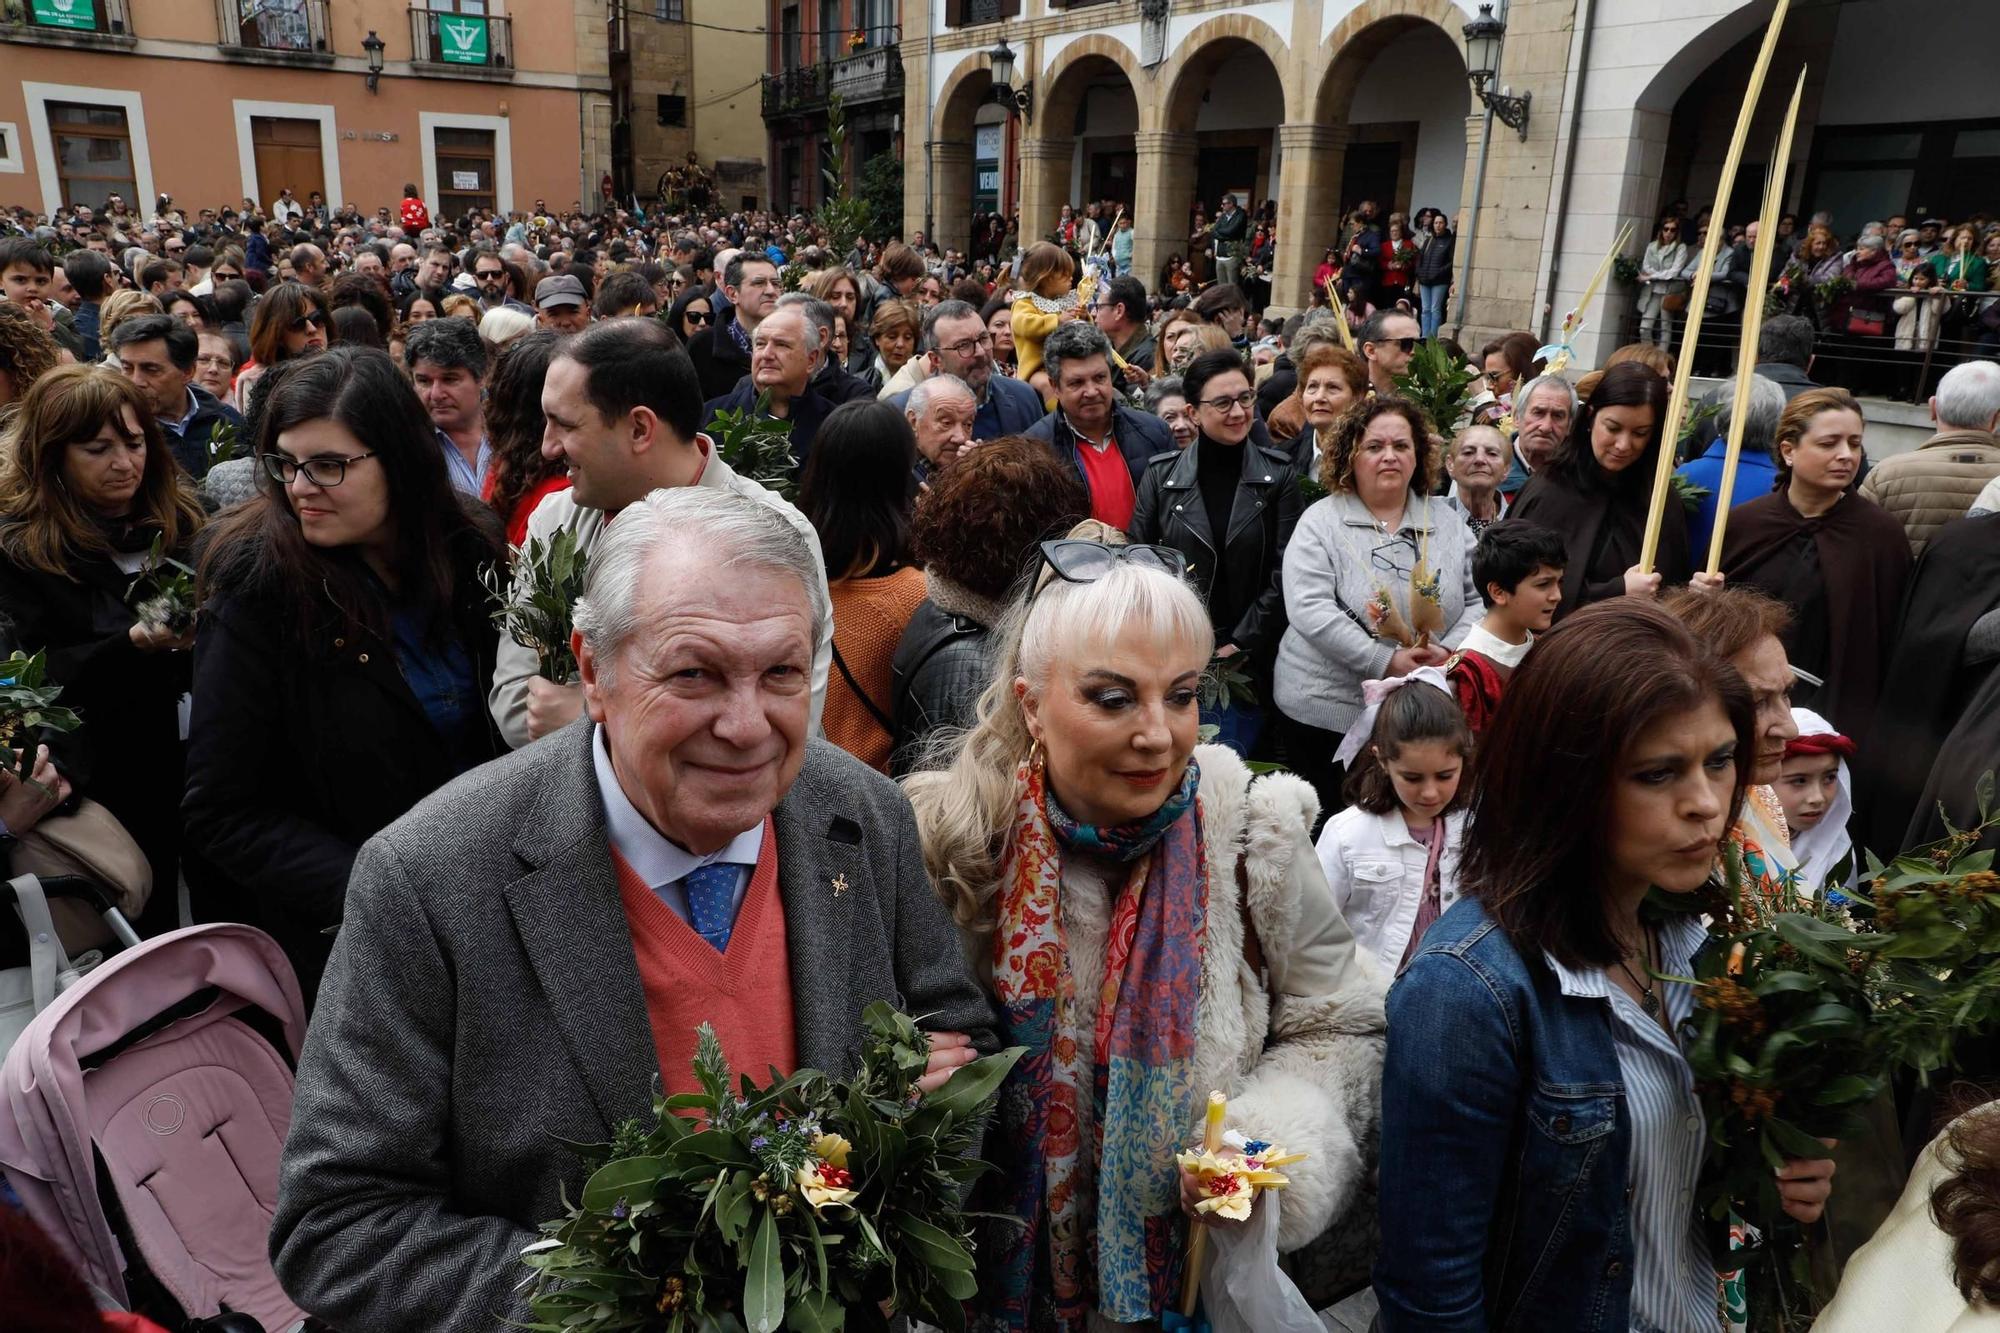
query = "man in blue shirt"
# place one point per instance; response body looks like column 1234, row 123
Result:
column 1756, row 473
column 955, row 342
column 448, row 366
column 90, row 273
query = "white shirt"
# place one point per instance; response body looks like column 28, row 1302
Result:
column 283, row 210
column 1482, row 640
column 1376, row 871
column 656, row 859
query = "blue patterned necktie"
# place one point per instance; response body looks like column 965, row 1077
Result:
column 711, row 899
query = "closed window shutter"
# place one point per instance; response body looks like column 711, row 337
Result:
column 954, row 13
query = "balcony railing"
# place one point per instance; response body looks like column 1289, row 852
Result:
column 872, row 72
column 279, row 28
column 461, row 42
column 90, row 22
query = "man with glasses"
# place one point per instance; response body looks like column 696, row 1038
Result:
column 447, row 363
column 721, row 353
column 1387, row 341
column 1091, row 428
column 489, row 272
column 955, row 342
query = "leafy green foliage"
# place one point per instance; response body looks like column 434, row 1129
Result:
column 1438, row 383
column 1807, row 1005
column 28, row 708
column 164, row 590
column 1688, row 492
column 882, row 190
column 757, row 445
column 538, row 607
column 223, row 442
column 842, row 218
column 706, row 1220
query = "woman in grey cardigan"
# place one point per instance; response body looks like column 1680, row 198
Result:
column 1377, row 578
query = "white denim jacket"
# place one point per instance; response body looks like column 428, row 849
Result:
column 1376, row 871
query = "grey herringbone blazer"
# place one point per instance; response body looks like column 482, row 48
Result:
column 482, row 1005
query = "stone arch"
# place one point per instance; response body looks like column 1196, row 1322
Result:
column 1186, row 74
column 960, row 94
column 1357, row 39
column 1052, row 148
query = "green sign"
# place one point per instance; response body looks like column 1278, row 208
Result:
column 461, row 40
column 66, row 14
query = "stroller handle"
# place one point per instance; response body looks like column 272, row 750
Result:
column 81, row 889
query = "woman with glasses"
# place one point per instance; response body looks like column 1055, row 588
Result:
column 1228, row 503
column 342, row 619
column 1596, row 492
column 1660, row 279
column 1153, row 924
column 691, row 313
column 215, row 362
column 1377, row 582
column 88, row 495
column 290, row 321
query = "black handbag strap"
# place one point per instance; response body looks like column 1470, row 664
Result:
column 881, row 718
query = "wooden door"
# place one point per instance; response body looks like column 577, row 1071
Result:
column 287, row 153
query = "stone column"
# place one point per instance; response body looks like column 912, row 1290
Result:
column 952, row 162
column 1163, row 193
column 1045, row 167
column 1308, row 209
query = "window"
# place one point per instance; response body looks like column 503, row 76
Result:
column 10, row 148
column 673, row 109
column 464, row 170
column 832, row 41
column 788, row 40
column 93, row 150
column 670, row 11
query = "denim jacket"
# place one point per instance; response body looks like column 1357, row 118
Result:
column 1505, row 1142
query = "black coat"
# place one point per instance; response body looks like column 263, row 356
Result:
column 1603, row 530
column 1435, row 259
column 1242, row 579
column 191, row 447
column 128, row 754
column 718, row 361
column 300, row 752
column 1277, row 387
column 942, row 664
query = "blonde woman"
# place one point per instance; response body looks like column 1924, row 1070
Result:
column 1088, row 848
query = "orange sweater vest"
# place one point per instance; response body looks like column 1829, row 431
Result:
column 745, row 994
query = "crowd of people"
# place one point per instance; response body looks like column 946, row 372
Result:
column 970, row 705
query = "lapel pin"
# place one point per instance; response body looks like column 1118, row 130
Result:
column 839, row 885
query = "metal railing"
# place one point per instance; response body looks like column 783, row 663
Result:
column 461, row 40
column 57, row 18
column 872, row 71
column 294, row 27
column 792, row 91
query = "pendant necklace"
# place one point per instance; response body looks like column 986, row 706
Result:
column 1649, row 999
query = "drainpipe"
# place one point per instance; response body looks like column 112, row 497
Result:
column 930, row 113
column 1580, row 64
column 1472, row 232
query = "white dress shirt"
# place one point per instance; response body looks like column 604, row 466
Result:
column 657, row 859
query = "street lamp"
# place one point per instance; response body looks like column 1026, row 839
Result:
column 1483, row 39
column 373, row 46
column 1000, row 60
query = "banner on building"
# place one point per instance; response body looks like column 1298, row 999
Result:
column 81, row 14
column 462, row 39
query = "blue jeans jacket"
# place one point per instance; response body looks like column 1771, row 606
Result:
column 1504, row 1146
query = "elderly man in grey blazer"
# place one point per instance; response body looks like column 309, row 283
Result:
column 525, row 951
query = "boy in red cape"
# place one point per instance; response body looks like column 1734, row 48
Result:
column 1519, row 567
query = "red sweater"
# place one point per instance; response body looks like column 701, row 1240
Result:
column 745, row 995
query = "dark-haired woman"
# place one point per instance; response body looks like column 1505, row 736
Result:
column 1228, row 503
column 342, row 621
column 1596, row 489
column 1837, row 559
column 857, row 489
column 519, row 475
column 88, row 491
column 691, row 313
column 1531, row 1053
column 977, row 526
column 292, row 321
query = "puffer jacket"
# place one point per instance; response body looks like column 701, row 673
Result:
column 1331, row 570
column 1935, row 484
column 941, row 666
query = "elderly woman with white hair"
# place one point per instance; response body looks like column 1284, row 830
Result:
column 1153, row 925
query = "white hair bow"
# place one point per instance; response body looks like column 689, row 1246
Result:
column 1373, row 694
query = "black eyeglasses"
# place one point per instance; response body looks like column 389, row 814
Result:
column 490, row 274
column 1087, row 562
column 1242, row 400
column 697, row 316
column 325, row 472
column 312, row 319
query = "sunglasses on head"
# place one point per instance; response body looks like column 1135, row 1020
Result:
column 1076, row 561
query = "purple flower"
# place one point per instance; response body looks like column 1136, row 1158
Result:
column 759, row 1143
column 619, row 1210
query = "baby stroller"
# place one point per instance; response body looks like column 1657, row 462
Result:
column 141, row 1117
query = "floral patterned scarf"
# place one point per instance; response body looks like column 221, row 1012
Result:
column 1094, row 1117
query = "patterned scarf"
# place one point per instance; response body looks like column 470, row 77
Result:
column 1094, row 1117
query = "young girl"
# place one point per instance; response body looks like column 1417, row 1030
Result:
column 1817, row 793
column 1048, row 278
column 1391, row 857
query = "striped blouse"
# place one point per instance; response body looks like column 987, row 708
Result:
column 1674, row 1287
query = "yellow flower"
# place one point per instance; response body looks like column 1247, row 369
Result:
column 1229, row 1181
column 831, row 1148
column 824, row 1185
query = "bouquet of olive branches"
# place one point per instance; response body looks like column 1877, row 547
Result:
column 756, row 445
column 165, row 592
column 538, row 607
column 808, row 1203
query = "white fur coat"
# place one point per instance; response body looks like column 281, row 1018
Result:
column 1298, row 1049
